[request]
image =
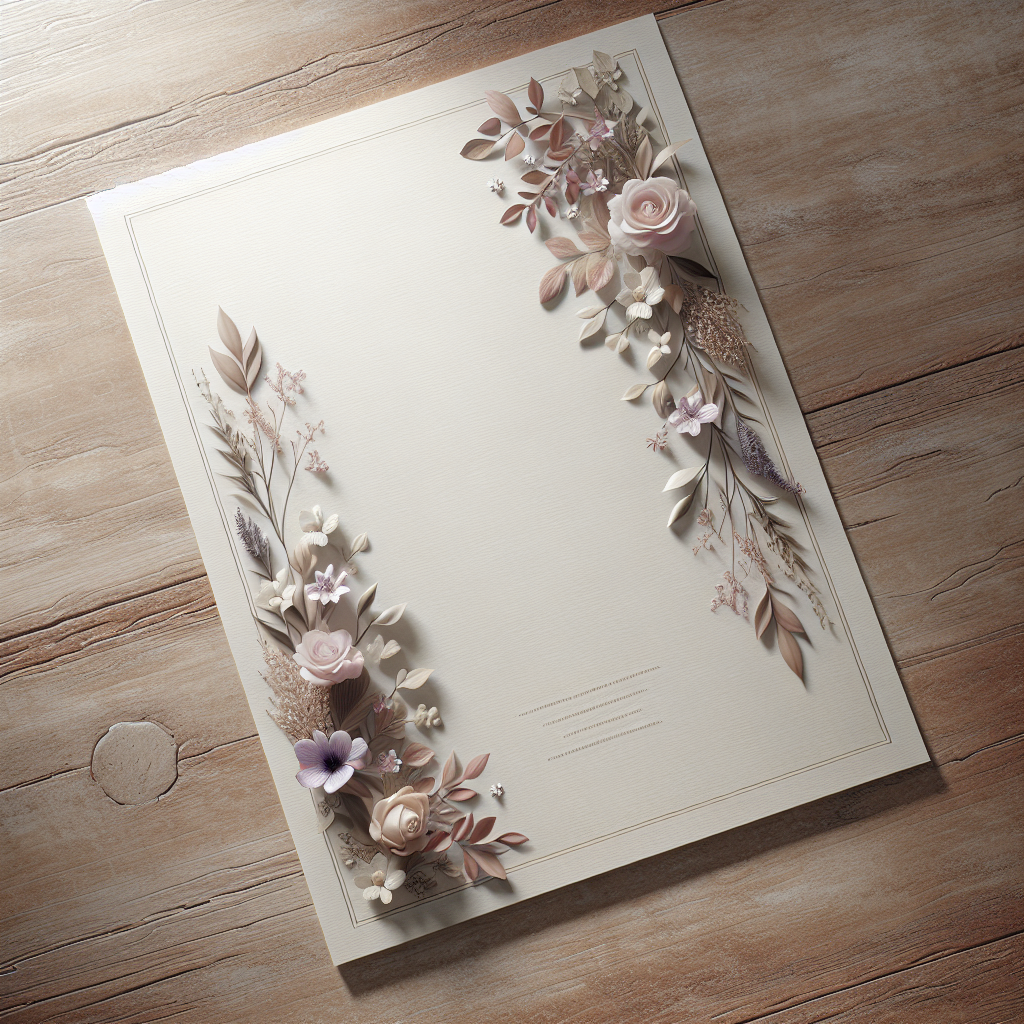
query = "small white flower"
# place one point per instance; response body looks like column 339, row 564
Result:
column 497, row 790
column 573, row 212
column 530, row 160
column 373, row 650
column 380, row 879
column 642, row 291
column 659, row 346
column 496, row 185
column 426, row 718
column 276, row 595
column 315, row 528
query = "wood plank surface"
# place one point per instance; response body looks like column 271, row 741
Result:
column 869, row 153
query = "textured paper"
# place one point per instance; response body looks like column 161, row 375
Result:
column 505, row 489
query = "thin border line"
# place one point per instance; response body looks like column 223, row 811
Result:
column 129, row 219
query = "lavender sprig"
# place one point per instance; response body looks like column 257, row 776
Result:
column 253, row 540
column 756, row 459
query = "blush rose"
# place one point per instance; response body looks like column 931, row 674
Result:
column 328, row 658
column 651, row 214
column 399, row 822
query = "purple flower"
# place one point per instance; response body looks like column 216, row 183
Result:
column 328, row 587
column 329, row 762
column 691, row 413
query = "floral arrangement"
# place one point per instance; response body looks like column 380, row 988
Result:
column 591, row 160
column 351, row 741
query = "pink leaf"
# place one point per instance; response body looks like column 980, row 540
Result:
column 599, row 273
column 477, row 149
column 451, row 770
column 552, row 283
column 469, row 866
column 492, row 126
column 515, row 146
column 763, row 614
column 549, row 205
column 540, row 131
column 462, row 794
column 416, row 755
column 462, row 828
column 578, row 271
column 562, row 247
column 557, row 131
column 531, row 219
column 483, row 826
column 536, row 94
column 488, row 862
column 512, row 839
column 513, row 213
column 436, row 839
column 423, row 785
column 503, row 107
column 475, row 767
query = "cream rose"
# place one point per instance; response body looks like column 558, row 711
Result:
column 328, row 658
column 651, row 214
column 399, row 822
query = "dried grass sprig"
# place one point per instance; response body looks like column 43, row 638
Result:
column 711, row 318
column 757, row 460
column 298, row 708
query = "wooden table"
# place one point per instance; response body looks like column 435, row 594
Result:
column 870, row 154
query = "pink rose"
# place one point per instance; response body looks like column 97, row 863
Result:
column 651, row 214
column 328, row 658
column 399, row 822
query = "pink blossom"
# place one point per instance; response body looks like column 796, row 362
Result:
column 328, row 658
column 691, row 413
column 329, row 762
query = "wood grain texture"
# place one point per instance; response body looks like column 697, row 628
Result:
column 869, row 154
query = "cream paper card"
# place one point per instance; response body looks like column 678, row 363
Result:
column 505, row 490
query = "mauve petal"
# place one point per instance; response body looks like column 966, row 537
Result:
column 308, row 753
column 312, row 778
column 707, row 413
column 340, row 744
column 338, row 779
column 320, row 739
column 694, row 427
column 329, row 571
column 359, row 750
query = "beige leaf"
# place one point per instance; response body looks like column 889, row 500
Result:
column 763, row 614
column 666, row 153
column 587, row 81
column 578, row 271
column 415, row 679
column 229, row 370
column 229, row 334
column 366, row 600
column 644, row 156
column 588, row 312
column 391, row 648
column 634, row 391
column 594, row 325
column 653, row 356
column 594, row 239
column 682, row 477
column 662, row 400
column 359, row 544
column 680, row 509
column 389, row 616
column 790, row 650
column 786, row 617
